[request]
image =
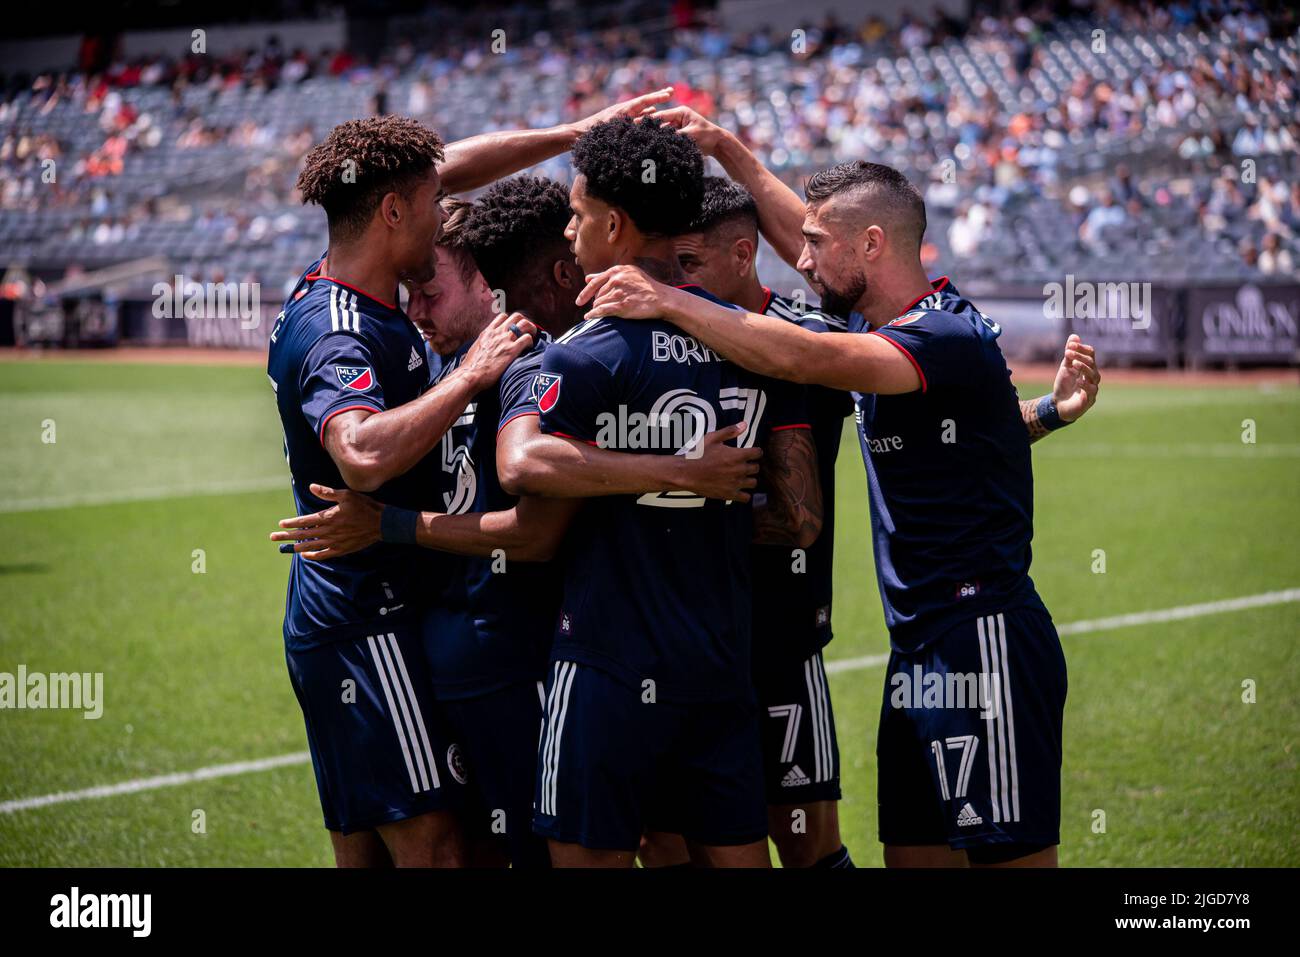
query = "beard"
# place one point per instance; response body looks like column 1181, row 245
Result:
column 842, row 300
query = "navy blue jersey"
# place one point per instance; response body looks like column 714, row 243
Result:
column 948, row 473
column 333, row 349
column 657, row 586
column 792, row 593
column 493, row 626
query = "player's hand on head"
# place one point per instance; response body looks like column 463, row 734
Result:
column 623, row 291
column 351, row 524
column 722, row 471
column 642, row 105
column 501, row 342
column 704, row 132
column 1077, row 380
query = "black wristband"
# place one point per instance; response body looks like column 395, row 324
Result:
column 398, row 526
column 1048, row 417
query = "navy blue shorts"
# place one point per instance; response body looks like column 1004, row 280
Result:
column 378, row 743
column 969, row 748
column 611, row 766
column 801, row 758
column 498, row 733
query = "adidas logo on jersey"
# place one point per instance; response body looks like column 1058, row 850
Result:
column 417, row 360
column 967, row 816
column 794, row 777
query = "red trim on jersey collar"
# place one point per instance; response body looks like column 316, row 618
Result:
column 767, row 300
column 690, row 285
column 935, row 286
column 320, row 274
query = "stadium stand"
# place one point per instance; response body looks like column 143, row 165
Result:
column 1114, row 143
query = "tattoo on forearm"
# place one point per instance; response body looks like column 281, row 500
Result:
column 794, row 501
column 1029, row 412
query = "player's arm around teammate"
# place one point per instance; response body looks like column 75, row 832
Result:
column 372, row 447
column 781, row 218
column 838, row 360
column 479, row 160
column 532, row 530
column 531, row 462
column 780, row 210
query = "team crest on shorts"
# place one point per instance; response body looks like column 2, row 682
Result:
column 456, row 764
column 546, row 390
column 359, row 378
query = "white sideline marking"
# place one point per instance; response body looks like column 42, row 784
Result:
column 161, row 781
column 1173, row 450
column 1178, row 614
column 46, row 503
column 832, row 667
column 1118, row 621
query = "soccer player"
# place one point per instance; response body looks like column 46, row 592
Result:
column 947, row 456
column 487, row 640
column 792, row 587
column 448, row 309
column 792, row 602
column 651, row 721
column 350, row 374
column 353, row 415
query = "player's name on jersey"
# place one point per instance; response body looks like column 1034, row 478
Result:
column 35, row 690
column 674, row 347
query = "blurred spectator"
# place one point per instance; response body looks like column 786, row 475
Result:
column 1275, row 259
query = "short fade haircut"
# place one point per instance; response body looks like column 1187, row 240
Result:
column 514, row 225
column 889, row 189
column 725, row 202
column 389, row 154
column 612, row 156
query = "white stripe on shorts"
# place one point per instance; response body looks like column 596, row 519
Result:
column 392, row 711
column 415, row 707
column 400, row 693
column 989, row 733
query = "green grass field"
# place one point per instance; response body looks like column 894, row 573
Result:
column 98, row 533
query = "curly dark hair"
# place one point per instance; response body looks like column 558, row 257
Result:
column 612, row 156
column 360, row 161
column 516, row 225
column 889, row 190
column 725, row 202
